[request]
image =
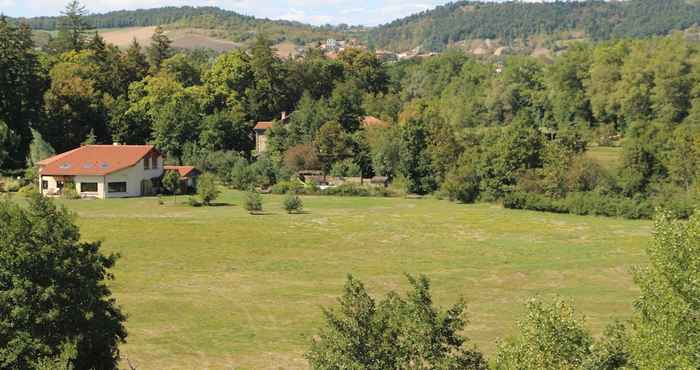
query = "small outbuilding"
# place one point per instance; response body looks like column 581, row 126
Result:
column 188, row 177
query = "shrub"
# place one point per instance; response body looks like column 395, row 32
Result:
column 11, row 185
column 284, row 187
column 293, row 203
column 462, row 184
column 347, row 190
column 207, row 189
column 69, row 191
column 253, row 202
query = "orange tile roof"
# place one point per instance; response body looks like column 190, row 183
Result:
column 184, row 171
column 94, row 160
column 263, row 125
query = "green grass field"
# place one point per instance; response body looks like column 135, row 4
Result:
column 608, row 157
column 219, row 288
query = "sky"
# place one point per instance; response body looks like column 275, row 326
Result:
column 317, row 12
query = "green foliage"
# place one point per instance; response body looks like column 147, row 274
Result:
column 171, row 182
column 207, row 190
column 21, row 91
column 160, row 49
column 414, row 158
column 57, row 299
column 72, row 27
column 667, row 329
column 253, row 202
column 551, row 336
column 396, row 332
column 466, row 20
column 345, row 168
column 69, row 191
column 292, row 203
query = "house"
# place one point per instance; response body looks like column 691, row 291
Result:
column 188, row 177
column 261, row 129
column 102, row 171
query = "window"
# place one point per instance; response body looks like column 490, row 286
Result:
column 155, row 161
column 116, row 187
column 145, row 163
column 44, row 184
column 59, row 184
column 88, row 187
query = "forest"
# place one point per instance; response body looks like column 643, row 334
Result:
column 466, row 129
column 510, row 21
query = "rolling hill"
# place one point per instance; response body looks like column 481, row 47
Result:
column 477, row 26
column 514, row 21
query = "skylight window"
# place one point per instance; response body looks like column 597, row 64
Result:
column 104, row 165
column 65, row 166
column 87, row 165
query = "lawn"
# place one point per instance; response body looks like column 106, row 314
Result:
column 219, row 288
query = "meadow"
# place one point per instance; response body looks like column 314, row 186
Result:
column 216, row 287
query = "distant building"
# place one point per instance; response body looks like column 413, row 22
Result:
column 102, row 171
column 261, row 130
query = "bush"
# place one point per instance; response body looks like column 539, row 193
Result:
column 10, row 185
column 69, row 191
column 171, row 182
column 462, row 184
column 207, row 189
column 253, row 202
column 582, row 203
column 293, row 203
column 284, row 187
column 348, row 190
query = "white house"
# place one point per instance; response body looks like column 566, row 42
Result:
column 102, row 171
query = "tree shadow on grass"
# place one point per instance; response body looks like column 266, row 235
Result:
column 221, row 204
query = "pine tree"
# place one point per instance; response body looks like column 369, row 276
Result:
column 160, row 48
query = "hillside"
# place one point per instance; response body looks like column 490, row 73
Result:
column 509, row 22
column 226, row 24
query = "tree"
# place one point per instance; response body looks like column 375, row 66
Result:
column 171, row 182
column 90, row 139
column 21, row 89
column 228, row 80
column 159, row 49
column 39, row 149
column 180, row 66
column 54, row 291
column 666, row 326
column 366, row 68
column 135, row 62
column 7, row 139
column 394, row 333
column 73, row 105
column 175, row 124
column 71, row 28
column 415, row 163
column 333, row 144
column 207, row 190
column 551, row 336
column 301, row 157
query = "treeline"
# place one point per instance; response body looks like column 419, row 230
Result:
column 514, row 20
column 235, row 26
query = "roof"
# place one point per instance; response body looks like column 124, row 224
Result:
column 372, row 121
column 94, row 160
column 263, row 125
column 184, row 171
